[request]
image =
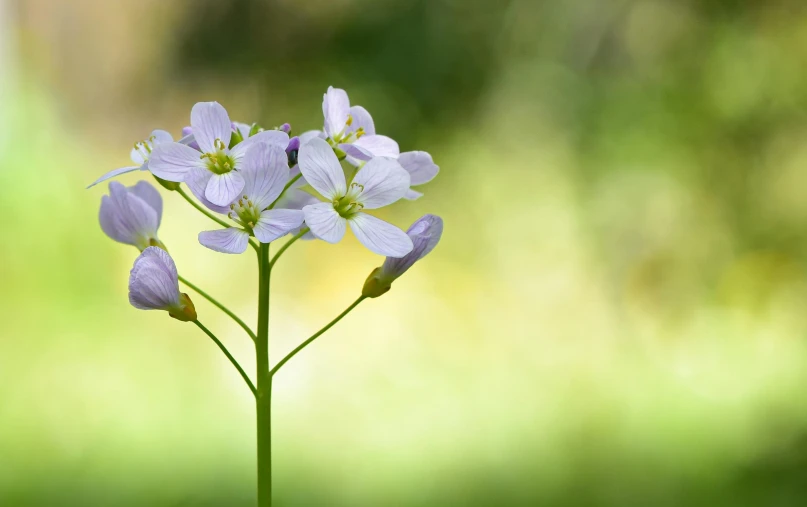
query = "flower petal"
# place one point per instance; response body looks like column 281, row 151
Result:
column 419, row 165
column 311, row 134
column 379, row 236
column 425, row 234
column 361, row 119
column 127, row 218
column 384, row 182
column 210, row 121
column 150, row 196
column 321, row 169
column 222, row 189
column 296, row 199
column 153, row 283
column 172, row 161
column 160, row 137
column 324, row 222
column 273, row 137
column 265, row 169
column 335, row 108
column 197, row 180
column 412, row 195
column 115, row 172
column 355, row 153
column 379, row 146
column 275, row 223
column 231, row 240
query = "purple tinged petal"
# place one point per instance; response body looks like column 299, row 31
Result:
column 412, row 195
column 241, row 128
column 296, row 199
column 384, row 182
column 113, row 173
column 311, row 134
column 285, row 128
column 276, row 223
column 425, row 234
column 335, row 108
column 222, row 189
column 197, row 180
column 210, row 122
column 172, row 161
column 324, row 222
column 273, row 137
column 379, row 236
column 230, row 241
column 161, row 137
column 127, row 218
column 379, row 146
column 355, row 153
column 294, row 144
column 419, row 165
column 150, row 196
column 361, row 120
column 265, row 170
column 321, row 169
column 153, row 283
column 186, row 131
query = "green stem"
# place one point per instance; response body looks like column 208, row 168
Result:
column 263, row 400
column 208, row 214
column 288, row 185
column 316, row 335
column 287, row 245
column 220, row 307
column 229, row 356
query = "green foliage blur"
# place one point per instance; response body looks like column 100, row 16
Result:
column 615, row 316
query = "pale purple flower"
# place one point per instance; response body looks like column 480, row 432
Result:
column 265, row 171
column 140, row 155
column 380, row 182
column 351, row 130
column 154, row 285
column 421, row 169
column 132, row 215
column 425, row 233
column 216, row 166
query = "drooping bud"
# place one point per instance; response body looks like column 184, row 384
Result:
column 425, row 234
column 285, row 128
column 154, row 285
column 186, row 312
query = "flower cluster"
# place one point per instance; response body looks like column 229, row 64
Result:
column 268, row 185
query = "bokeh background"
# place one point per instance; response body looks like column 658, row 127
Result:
column 616, row 316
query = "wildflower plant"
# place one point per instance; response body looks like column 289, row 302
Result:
column 258, row 186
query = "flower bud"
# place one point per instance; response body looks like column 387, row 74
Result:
column 154, row 285
column 186, row 312
column 425, row 234
column 285, row 128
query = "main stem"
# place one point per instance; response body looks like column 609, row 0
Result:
column 263, row 401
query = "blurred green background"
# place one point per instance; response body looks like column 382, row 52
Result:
column 616, row 316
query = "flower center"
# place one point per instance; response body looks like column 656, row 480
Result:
column 348, row 205
column 244, row 212
column 219, row 162
column 144, row 147
column 342, row 138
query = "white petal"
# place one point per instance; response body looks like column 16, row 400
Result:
column 335, row 108
column 379, row 236
column 172, row 161
column 210, row 121
column 197, row 180
column 127, row 218
column 113, row 173
column 273, row 137
column 139, row 155
column 222, row 189
column 384, row 182
column 230, row 240
column 321, row 169
column 161, row 137
column 379, row 146
column 324, row 222
column 355, row 154
column 412, row 195
column 296, row 199
column 153, row 283
column 275, row 223
column 361, row 119
column 419, row 165
column 311, row 134
column 265, row 169
column 150, row 195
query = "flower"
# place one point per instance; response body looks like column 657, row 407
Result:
column 217, row 166
column 140, row 155
column 350, row 130
column 425, row 234
column 380, row 182
column 132, row 215
column 421, row 169
column 265, row 171
column 154, row 285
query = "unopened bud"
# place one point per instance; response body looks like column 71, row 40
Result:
column 376, row 285
column 187, row 312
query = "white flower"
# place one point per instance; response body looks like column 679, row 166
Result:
column 421, row 169
column 217, row 165
column 380, row 182
column 140, row 155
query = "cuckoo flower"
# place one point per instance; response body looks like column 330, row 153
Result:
column 380, row 182
column 154, row 285
column 351, row 130
column 131, row 215
column 421, row 169
column 265, row 171
column 425, row 234
column 140, row 155
column 217, row 165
